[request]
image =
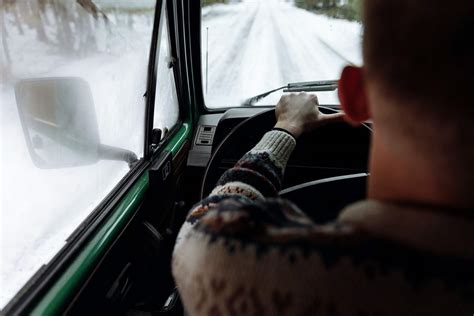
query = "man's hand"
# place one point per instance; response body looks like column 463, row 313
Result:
column 299, row 113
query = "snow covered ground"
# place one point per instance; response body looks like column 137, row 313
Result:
column 258, row 45
column 254, row 46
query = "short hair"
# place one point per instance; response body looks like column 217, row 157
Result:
column 422, row 51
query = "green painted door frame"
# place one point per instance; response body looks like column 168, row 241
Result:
column 60, row 294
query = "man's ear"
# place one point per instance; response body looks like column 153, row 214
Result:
column 354, row 101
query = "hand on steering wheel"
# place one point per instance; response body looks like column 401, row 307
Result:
column 299, row 113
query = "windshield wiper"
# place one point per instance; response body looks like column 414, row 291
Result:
column 309, row 86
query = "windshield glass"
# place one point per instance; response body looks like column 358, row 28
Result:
column 252, row 46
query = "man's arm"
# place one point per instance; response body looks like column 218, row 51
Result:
column 242, row 207
column 259, row 173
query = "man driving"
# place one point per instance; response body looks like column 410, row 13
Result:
column 406, row 249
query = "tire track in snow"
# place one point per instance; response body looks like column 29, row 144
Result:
column 286, row 61
column 230, row 64
column 316, row 58
column 334, row 51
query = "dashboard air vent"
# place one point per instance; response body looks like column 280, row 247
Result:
column 205, row 135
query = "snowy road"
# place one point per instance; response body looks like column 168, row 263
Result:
column 257, row 45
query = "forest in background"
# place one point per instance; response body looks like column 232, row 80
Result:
column 67, row 27
column 209, row 2
column 341, row 9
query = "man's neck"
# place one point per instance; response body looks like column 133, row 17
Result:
column 400, row 176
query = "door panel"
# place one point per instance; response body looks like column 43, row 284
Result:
column 59, row 295
column 135, row 274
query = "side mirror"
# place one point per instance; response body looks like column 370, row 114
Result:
column 60, row 124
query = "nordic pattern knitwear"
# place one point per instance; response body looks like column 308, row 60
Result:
column 244, row 251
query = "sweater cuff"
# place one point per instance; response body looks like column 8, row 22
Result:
column 284, row 131
column 278, row 144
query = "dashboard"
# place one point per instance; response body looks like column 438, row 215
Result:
column 330, row 151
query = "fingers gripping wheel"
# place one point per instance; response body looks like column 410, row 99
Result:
column 329, row 151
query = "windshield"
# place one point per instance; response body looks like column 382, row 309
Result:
column 252, row 46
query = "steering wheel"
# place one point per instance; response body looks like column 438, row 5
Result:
column 334, row 150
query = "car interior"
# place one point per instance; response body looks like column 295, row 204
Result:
column 118, row 261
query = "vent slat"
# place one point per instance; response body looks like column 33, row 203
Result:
column 205, row 135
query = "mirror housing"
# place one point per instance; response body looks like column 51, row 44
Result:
column 60, row 124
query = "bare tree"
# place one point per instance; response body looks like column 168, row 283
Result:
column 5, row 64
column 18, row 22
column 92, row 8
column 37, row 20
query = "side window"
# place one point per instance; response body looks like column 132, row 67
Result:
column 166, row 101
column 72, row 115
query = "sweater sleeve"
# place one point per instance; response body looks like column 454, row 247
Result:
column 258, row 174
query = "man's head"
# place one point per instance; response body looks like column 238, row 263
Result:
column 416, row 82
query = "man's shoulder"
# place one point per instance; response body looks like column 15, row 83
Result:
column 280, row 224
column 266, row 250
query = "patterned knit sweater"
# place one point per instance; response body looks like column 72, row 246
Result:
column 244, row 251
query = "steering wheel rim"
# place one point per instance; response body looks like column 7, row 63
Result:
column 258, row 124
